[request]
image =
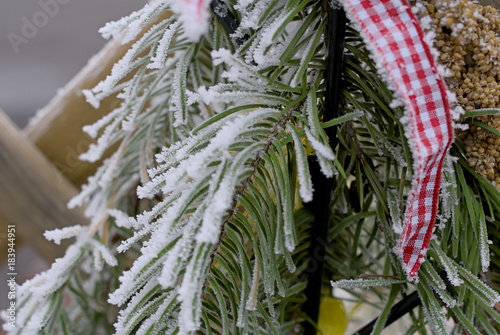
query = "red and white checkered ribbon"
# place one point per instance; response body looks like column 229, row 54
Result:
column 194, row 16
column 395, row 37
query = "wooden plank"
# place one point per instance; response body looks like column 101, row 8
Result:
column 33, row 193
column 57, row 129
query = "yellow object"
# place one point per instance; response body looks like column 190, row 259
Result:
column 309, row 150
column 332, row 316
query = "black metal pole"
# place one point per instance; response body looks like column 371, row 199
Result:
column 227, row 19
column 320, row 205
column 224, row 15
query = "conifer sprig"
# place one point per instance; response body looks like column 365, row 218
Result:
column 197, row 217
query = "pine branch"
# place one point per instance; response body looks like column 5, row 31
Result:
column 401, row 308
column 245, row 183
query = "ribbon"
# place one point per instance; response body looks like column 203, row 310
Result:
column 390, row 29
column 194, row 15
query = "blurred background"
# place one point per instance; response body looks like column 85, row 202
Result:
column 34, row 63
column 43, row 44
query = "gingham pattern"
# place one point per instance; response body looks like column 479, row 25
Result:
column 395, row 37
column 194, row 16
column 195, row 6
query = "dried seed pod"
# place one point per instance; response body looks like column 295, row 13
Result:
column 467, row 37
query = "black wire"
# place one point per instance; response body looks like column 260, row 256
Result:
column 320, row 205
column 403, row 307
column 397, row 311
